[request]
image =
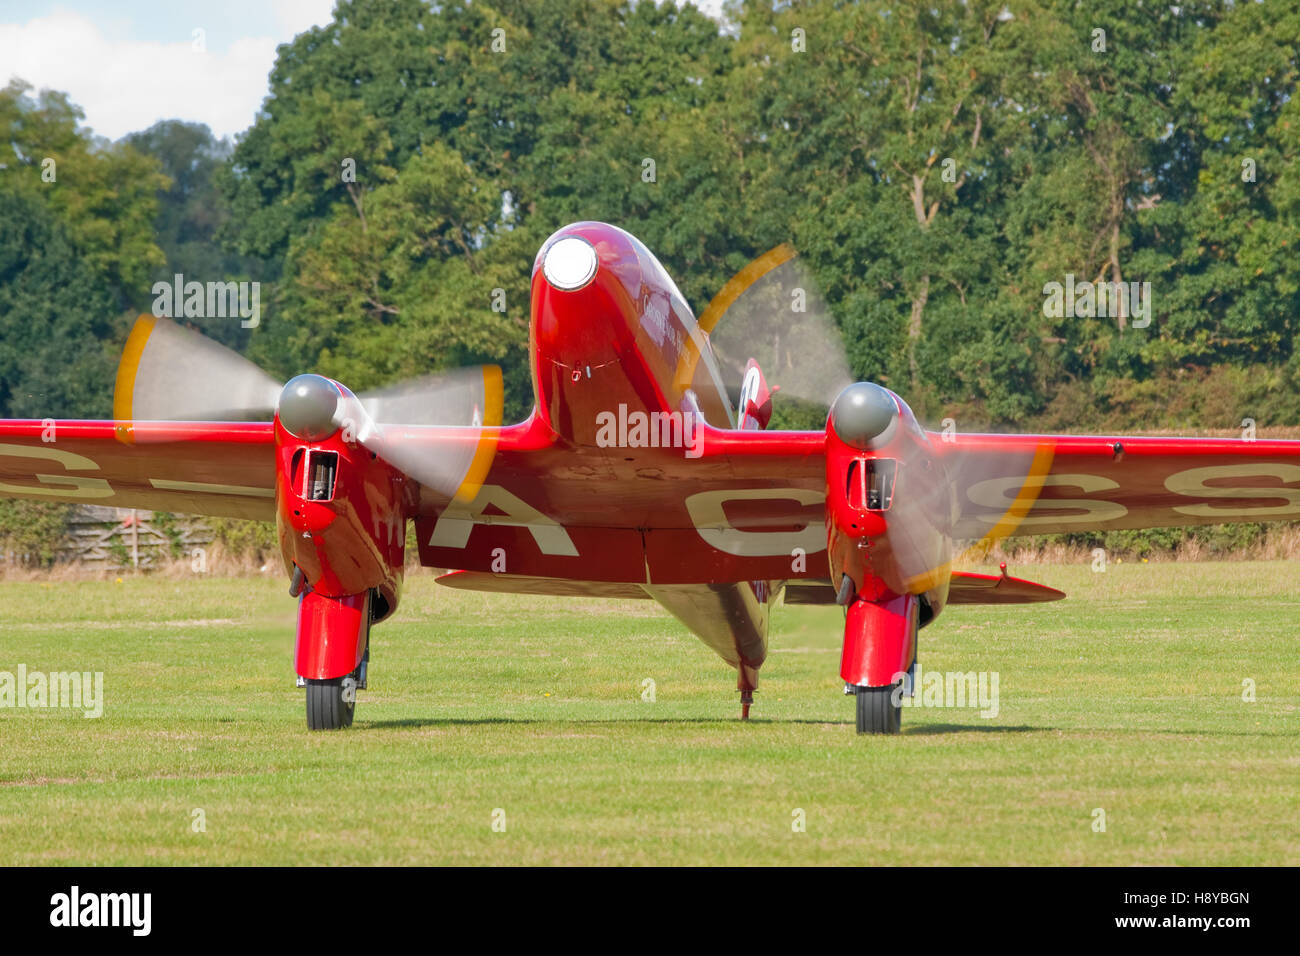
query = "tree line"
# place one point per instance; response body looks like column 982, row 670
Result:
column 936, row 165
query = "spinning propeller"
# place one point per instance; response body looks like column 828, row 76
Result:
column 774, row 312
column 437, row 429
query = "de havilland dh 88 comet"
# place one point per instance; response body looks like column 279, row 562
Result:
column 638, row 474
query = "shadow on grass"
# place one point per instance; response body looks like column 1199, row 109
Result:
column 1129, row 731
column 922, row 730
column 413, row 722
column 579, row 721
column 971, row 729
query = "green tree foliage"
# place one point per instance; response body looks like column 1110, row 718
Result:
column 30, row 532
column 58, row 321
column 472, row 133
column 403, row 283
column 191, row 213
column 1224, row 254
column 103, row 193
column 76, row 249
column 936, row 165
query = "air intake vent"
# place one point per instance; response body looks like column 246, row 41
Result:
column 321, row 469
column 871, row 483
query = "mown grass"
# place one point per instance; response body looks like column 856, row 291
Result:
column 1126, row 697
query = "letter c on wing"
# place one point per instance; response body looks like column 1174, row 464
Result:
column 710, row 520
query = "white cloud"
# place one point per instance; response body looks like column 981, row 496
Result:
column 125, row 86
column 295, row 16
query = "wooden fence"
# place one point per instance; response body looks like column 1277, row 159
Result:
column 123, row 537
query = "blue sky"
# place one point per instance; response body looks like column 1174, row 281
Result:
column 130, row 63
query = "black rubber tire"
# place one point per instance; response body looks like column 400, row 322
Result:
column 877, row 713
column 326, row 708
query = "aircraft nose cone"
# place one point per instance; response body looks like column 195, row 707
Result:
column 863, row 413
column 570, row 263
column 307, row 407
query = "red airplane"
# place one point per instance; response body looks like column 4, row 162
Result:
column 633, row 477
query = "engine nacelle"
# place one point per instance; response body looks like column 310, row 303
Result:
column 341, row 520
column 888, row 535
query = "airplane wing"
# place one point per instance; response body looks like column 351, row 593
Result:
column 222, row 469
column 1042, row 484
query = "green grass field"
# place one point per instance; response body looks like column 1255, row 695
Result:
column 1126, row 697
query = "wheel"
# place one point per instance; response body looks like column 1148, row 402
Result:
column 877, row 712
column 331, row 703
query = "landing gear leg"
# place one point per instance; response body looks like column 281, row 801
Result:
column 332, row 655
column 746, row 683
column 879, row 651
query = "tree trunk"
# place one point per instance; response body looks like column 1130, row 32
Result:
column 914, row 330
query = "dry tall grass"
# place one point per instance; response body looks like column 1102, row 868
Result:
column 1276, row 544
column 217, row 562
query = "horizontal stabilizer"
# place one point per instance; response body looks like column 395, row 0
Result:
column 968, row 587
